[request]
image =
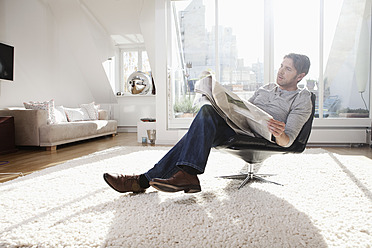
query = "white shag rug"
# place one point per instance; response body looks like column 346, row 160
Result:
column 326, row 201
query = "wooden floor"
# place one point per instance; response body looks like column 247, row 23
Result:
column 28, row 160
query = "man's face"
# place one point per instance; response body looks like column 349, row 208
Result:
column 287, row 77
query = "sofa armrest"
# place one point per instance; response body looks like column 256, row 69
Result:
column 103, row 114
column 26, row 123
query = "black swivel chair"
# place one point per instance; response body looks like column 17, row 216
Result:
column 254, row 150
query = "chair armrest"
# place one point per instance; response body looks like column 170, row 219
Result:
column 243, row 141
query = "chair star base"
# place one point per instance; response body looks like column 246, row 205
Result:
column 250, row 176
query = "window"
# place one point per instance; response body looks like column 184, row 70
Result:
column 241, row 46
column 192, row 52
column 233, row 51
column 133, row 60
column 238, row 43
column 346, row 58
column 109, row 67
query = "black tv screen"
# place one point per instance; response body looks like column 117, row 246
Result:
column 6, row 62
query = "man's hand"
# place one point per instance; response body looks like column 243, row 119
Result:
column 277, row 130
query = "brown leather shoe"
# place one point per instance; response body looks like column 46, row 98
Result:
column 123, row 183
column 178, row 182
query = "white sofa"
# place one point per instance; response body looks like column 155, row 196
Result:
column 32, row 128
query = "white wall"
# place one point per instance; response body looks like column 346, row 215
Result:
column 50, row 54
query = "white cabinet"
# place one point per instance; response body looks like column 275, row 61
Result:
column 130, row 109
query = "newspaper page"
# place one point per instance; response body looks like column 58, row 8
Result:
column 241, row 115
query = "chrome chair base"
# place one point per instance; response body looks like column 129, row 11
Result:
column 250, row 176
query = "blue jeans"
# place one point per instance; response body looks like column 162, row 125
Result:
column 207, row 130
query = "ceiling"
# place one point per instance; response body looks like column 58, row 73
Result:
column 119, row 18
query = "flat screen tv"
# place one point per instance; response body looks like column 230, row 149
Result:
column 6, row 62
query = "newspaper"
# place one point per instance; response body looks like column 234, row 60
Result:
column 241, row 115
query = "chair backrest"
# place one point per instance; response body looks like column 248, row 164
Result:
column 299, row 144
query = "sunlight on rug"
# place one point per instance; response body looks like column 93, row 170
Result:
column 326, row 201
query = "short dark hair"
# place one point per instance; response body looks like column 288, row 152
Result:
column 300, row 62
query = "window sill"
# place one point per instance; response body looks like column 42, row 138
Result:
column 130, row 95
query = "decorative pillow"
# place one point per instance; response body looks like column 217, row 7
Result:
column 92, row 110
column 76, row 114
column 97, row 107
column 60, row 114
column 47, row 105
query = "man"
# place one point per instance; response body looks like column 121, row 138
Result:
column 178, row 169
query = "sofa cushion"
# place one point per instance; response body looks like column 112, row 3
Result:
column 103, row 114
column 76, row 114
column 92, row 110
column 65, row 132
column 47, row 105
column 60, row 114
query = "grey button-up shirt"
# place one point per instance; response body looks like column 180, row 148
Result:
column 290, row 107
